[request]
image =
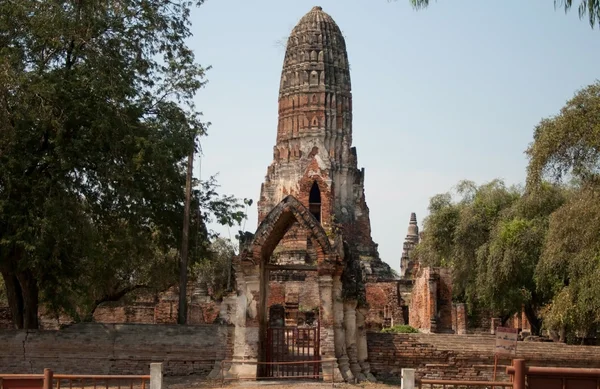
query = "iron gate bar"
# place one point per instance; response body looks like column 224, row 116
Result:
column 331, row 361
column 290, row 344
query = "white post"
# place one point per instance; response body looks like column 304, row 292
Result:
column 408, row 379
column 156, row 375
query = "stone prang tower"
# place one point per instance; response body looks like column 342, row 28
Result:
column 313, row 158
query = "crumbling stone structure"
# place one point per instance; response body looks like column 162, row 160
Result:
column 408, row 266
column 314, row 221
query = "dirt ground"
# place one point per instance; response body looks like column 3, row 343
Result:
column 192, row 382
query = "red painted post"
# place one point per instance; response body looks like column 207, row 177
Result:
column 520, row 372
column 48, row 379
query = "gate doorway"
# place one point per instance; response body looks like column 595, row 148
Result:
column 293, row 344
column 294, row 341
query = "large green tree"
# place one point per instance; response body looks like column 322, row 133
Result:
column 507, row 261
column 96, row 119
column 569, row 268
column 566, row 147
column 456, row 233
column 589, row 8
column 492, row 237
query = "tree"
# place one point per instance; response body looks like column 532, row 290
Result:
column 568, row 144
column 456, row 234
column 96, row 119
column 506, row 275
column 214, row 269
column 569, row 268
column 591, row 8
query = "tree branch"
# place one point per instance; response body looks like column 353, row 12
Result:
column 116, row 296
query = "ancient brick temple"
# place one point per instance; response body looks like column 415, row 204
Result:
column 312, row 252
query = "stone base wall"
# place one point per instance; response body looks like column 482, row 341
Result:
column 116, row 349
column 465, row 357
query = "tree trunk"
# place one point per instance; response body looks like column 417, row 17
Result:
column 30, row 293
column 182, row 312
column 15, row 298
column 534, row 320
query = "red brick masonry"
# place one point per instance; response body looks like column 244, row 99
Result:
column 468, row 357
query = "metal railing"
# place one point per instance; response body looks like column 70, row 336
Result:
column 298, row 377
column 49, row 380
column 102, row 381
column 453, row 384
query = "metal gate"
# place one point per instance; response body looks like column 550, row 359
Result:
column 293, row 344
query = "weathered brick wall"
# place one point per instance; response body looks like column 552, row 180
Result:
column 429, row 302
column 143, row 310
column 125, row 314
column 384, row 299
column 419, row 312
column 307, row 291
column 447, row 356
column 116, row 349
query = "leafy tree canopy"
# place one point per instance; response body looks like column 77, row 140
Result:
column 569, row 268
column 96, row 119
column 568, row 144
column 591, row 8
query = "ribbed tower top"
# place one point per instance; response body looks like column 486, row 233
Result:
column 315, row 98
column 316, row 44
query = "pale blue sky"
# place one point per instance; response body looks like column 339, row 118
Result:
column 449, row 93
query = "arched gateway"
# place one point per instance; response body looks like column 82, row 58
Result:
column 253, row 339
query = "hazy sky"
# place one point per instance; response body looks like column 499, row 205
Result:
column 440, row 95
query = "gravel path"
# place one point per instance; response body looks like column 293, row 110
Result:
column 191, row 382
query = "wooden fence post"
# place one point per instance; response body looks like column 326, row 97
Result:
column 520, row 372
column 48, row 379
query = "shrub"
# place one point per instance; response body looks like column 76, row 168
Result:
column 400, row 329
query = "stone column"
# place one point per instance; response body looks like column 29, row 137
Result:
column 239, row 321
column 156, row 376
column 339, row 334
column 408, row 379
column 246, row 333
column 351, row 348
column 454, row 323
column 461, row 319
column 433, row 304
column 361, row 343
column 326, row 322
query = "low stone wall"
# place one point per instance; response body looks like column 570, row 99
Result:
column 468, row 357
column 116, row 349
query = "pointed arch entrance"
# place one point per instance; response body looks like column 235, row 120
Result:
column 252, row 277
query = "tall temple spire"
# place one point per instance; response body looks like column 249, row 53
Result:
column 408, row 264
column 313, row 157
